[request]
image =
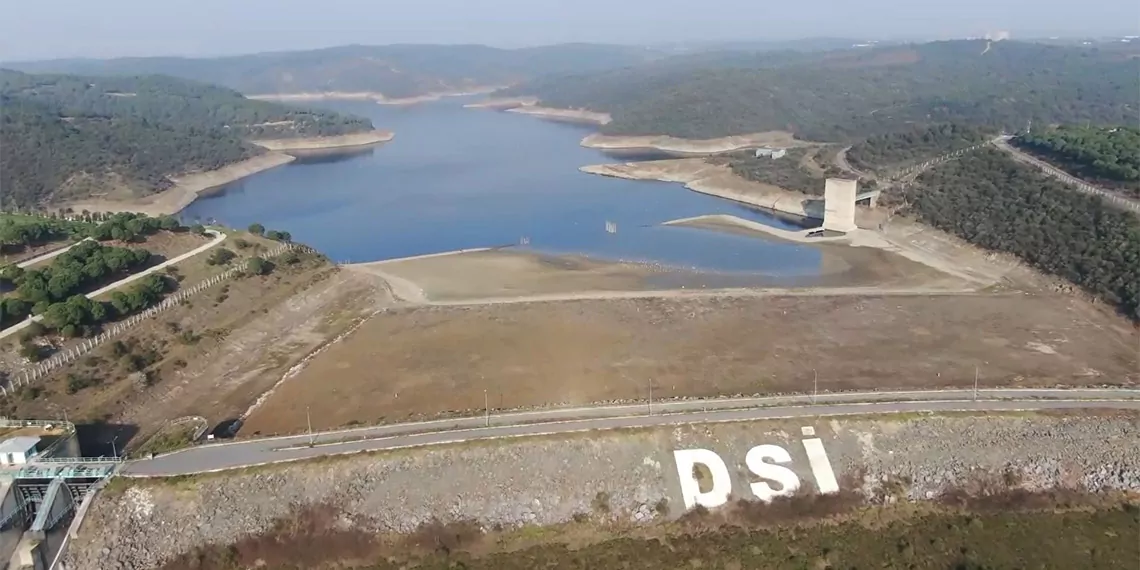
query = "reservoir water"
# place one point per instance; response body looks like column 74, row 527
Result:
column 458, row 178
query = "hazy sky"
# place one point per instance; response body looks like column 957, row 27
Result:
column 35, row 29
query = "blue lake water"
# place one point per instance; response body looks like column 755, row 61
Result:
column 458, row 178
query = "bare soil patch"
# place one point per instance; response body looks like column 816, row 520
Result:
column 427, row 361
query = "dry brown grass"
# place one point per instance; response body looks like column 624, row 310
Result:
column 425, row 362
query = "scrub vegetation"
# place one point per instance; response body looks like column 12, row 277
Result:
column 1015, row 531
column 136, row 132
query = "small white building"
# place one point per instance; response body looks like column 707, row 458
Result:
column 18, row 450
column 768, row 152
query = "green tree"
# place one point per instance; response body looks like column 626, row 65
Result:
column 257, row 266
column 257, row 229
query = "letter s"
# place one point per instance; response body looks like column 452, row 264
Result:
column 691, row 488
column 787, row 479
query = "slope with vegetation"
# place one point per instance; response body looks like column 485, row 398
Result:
column 884, row 152
column 797, row 171
column 994, row 202
column 1104, row 155
column 394, row 70
column 68, row 136
column 56, row 291
column 853, row 94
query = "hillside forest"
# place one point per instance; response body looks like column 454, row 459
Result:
column 885, row 152
column 69, row 136
column 849, row 95
column 1108, row 156
column 994, row 202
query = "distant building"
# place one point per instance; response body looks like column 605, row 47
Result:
column 18, row 450
column 768, row 152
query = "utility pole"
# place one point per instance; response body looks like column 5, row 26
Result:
column 651, row 396
column 487, row 407
column 975, row 383
column 114, row 450
column 309, row 420
column 814, row 386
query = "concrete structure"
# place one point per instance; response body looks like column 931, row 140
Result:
column 19, row 450
column 839, row 204
column 768, row 152
column 43, row 478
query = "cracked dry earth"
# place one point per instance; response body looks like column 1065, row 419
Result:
column 547, row 480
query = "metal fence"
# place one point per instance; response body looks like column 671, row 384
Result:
column 40, row 370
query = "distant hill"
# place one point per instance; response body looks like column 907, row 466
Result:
column 851, row 94
column 394, row 70
column 70, row 136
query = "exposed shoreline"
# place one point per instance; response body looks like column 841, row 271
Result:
column 700, row 176
column 190, row 187
column 530, row 106
column 376, row 96
column 187, row 188
column 326, row 143
column 690, row 147
column 503, row 103
column 565, row 115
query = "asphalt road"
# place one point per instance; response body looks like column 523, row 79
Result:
column 231, row 455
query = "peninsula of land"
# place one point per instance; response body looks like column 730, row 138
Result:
column 189, row 187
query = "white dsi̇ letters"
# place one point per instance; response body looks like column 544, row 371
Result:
column 767, row 462
column 686, row 460
column 757, row 461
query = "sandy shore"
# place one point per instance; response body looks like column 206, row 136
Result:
column 566, row 115
column 371, row 96
column 318, row 96
column 700, row 176
column 325, row 143
column 691, row 147
column 490, row 273
column 886, row 259
column 503, row 103
column 186, row 188
column 530, row 106
column 436, row 96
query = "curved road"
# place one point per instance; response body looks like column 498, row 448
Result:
column 1002, row 143
column 221, row 456
column 219, row 237
column 49, row 255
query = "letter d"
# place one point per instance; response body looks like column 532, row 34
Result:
column 691, row 488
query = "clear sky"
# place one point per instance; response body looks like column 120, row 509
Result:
column 37, row 29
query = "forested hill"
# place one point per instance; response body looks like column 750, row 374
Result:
column 394, row 70
column 1105, row 155
column 852, row 94
column 68, row 136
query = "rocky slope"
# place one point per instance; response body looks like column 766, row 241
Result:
column 630, row 476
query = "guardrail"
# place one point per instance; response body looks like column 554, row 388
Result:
column 45, row 368
column 66, row 460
